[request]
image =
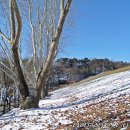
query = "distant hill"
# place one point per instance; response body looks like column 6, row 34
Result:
column 74, row 70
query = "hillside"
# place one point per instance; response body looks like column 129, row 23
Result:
column 100, row 103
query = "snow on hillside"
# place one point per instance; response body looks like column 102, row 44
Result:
column 91, row 102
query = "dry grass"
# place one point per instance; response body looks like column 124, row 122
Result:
column 102, row 75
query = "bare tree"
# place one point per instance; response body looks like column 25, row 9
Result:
column 46, row 32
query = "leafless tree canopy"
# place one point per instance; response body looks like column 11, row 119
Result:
column 33, row 26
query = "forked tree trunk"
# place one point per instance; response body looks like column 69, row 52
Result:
column 32, row 101
column 43, row 75
column 15, row 35
column 41, row 80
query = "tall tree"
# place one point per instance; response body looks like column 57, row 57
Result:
column 50, row 25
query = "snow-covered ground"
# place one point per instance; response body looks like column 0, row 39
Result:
column 96, row 100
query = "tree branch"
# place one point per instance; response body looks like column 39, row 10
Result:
column 19, row 28
column 8, row 57
column 67, row 6
column 62, row 5
column 7, row 39
column 33, row 39
column 12, row 21
column 8, row 68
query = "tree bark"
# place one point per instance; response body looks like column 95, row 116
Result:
column 27, row 100
column 23, row 87
column 16, row 27
column 41, row 79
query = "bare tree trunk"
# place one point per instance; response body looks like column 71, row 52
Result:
column 23, row 87
column 15, row 35
column 41, row 80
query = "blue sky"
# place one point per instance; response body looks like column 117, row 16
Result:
column 102, row 30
